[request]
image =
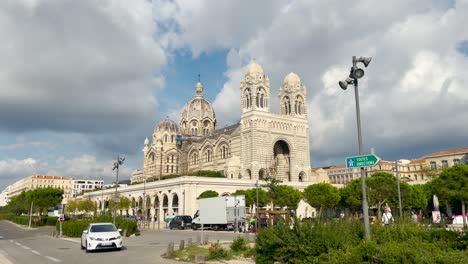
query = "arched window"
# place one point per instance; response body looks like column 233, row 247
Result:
column 262, row 103
column 172, row 169
column 165, row 138
column 167, row 160
column 257, row 99
column 167, row 169
column 172, row 158
column 172, row 138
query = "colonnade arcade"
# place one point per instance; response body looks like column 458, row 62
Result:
column 157, row 204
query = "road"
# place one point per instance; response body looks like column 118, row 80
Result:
column 22, row 245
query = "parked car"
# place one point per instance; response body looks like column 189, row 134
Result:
column 101, row 236
column 181, row 222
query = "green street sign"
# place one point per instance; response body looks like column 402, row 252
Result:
column 362, row 161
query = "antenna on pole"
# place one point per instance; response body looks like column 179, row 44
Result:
column 198, row 77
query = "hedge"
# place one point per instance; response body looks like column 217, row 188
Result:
column 75, row 227
column 24, row 220
column 343, row 242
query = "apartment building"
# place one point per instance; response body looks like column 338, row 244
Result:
column 41, row 181
column 417, row 171
column 80, row 186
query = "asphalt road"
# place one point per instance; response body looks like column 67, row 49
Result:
column 22, row 245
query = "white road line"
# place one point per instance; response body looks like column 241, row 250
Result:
column 35, row 252
column 1, row 237
column 11, row 241
column 18, row 244
column 53, row 259
column 3, row 258
column 25, row 247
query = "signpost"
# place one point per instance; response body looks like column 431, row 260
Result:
column 362, row 161
column 60, row 220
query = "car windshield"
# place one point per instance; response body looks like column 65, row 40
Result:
column 103, row 228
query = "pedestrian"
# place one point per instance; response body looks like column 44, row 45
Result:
column 414, row 217
column 387, row 217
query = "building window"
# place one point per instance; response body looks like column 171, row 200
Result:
column 433, row 165
column 466, row 160
column 444, row 164
column 167, row 169
column 456, row 161
column 165, row 138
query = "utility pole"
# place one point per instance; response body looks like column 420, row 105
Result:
column 399, row 193
column 30, row 214
column 256, row 208
column 116, row 167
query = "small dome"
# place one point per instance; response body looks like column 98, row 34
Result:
column 199, row 90
column 254, row 69
column 292, row 78
column 167, row 125
column 146, row 141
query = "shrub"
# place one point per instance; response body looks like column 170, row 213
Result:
column 217, row 252
column 343, row 242
column 75, row 227
column 239, row 244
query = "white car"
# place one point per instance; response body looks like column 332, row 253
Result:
column 101, row 236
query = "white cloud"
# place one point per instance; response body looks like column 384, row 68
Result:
column 84, row 66
column 413, row 89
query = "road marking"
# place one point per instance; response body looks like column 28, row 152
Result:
column 53, row 259
column 11, row 241
column 18, row 244
column 1, row 237
column 35, row 252
column 25, row 247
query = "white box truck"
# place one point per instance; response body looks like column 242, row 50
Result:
column 220, row 213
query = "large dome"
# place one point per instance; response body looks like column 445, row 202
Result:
column 198, row 108
column 167, row 125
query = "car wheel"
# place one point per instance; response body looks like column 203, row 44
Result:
column 87, row 251
column 81, row 244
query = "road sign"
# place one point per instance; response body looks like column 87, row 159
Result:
column 60, row 218
column 36, row 220
column 362, row 161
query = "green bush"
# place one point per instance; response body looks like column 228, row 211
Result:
column 343, row 242
column 239, row 244
column 75, row 227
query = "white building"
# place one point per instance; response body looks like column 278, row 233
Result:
column 80, row 186
column 4, row 197
column 261, row 144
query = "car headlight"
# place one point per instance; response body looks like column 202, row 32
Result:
column 119, row 237
column 92, row 238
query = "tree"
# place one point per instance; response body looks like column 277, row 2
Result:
column 44, row 198
column 124, row 203
column 287, row 196
column 417, row 197
column 322, row 195
column 351, row 195
column 452, row 183
column 86, row 205
column 72, row 206
column 251, row 196
column 208, row 194
column 382, row 188
column 270, row 184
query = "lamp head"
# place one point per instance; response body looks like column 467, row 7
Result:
column 344, row 84
column 358, row 73
column 365, row 60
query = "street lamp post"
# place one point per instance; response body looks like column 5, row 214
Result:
column 117, row 164
column 355, row 74
column 256, row 208
column 398, row 186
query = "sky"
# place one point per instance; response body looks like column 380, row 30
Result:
column 82, row 82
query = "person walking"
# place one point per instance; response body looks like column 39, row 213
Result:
column 414, row 217
column 387, row 217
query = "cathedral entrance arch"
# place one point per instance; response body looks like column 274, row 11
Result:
column 261, row 174
column 175, row 203
column 281, row 160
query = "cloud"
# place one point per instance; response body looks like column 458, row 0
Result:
column 81, row 66
column 412, row 98
column 85, row 166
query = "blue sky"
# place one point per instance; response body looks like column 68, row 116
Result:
column 75, row 93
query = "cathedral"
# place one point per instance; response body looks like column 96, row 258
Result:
column 261, row 144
